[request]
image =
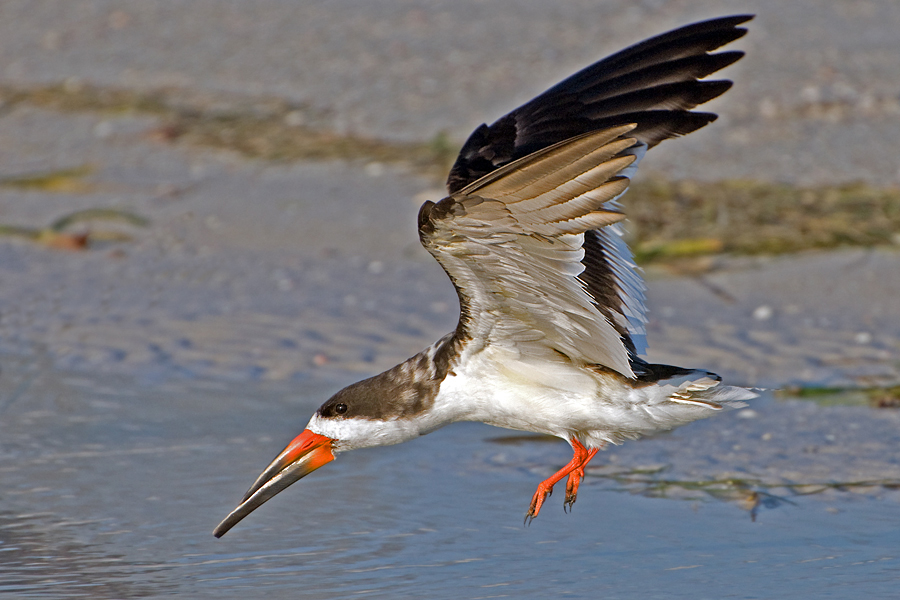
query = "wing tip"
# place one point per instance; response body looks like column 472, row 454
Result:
column 491, row 147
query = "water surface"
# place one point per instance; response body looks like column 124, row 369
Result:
column 111, row 489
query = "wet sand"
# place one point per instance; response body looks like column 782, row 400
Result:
column 817, row 97
column 195, row 350
column 255, row 270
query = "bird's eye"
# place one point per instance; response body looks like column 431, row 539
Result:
column 340, row 408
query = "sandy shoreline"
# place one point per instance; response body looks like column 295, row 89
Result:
column 311, row 274
column 258, row 271
column 317, row 265
column 816, row 98
column 144, row 383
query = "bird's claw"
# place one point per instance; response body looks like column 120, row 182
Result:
column 575, row 471
column 571, row 496
column 536, row 502
column 575, row 479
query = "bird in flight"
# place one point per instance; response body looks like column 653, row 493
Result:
column 552, row 317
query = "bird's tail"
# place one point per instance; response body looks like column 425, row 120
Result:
column 702, row 388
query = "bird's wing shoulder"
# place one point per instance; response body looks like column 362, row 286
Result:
column 513, row 243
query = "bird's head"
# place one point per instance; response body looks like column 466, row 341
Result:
column 367, row 413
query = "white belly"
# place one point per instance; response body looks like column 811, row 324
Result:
column 505, row 389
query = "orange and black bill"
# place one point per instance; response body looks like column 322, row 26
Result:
column 305, row 454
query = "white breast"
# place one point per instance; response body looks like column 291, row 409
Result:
column 501, row 387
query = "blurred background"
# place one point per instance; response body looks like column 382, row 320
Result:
column 207, row 225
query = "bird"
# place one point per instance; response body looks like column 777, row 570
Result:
column 552, row 316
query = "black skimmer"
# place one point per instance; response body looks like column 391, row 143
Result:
column 551, row 303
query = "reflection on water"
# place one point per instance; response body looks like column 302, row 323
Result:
column 111, row 490
column 40, row 555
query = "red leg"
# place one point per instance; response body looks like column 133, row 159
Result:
column 574, row 469
column 575, row 478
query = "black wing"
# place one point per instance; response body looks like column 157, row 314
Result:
column 654, row 84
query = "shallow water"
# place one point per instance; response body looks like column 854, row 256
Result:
column 111, row 489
